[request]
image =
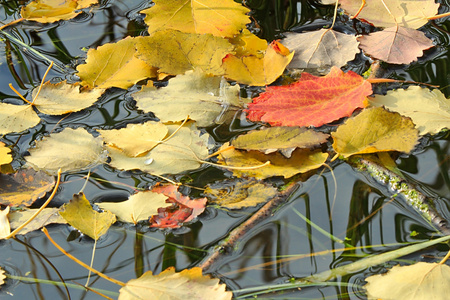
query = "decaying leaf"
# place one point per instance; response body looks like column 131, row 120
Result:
column 175, row 52
column 49, row 11
column 322, row 49
column 395, row 45
column 45, row 217
column 382, row 13
column 418, row 281
column 62, row 98
column 375, row 130
column 220, row 18
column 138, row 207
column 114, row 65
column 70, row 150
column 79, row 214
column 301, row 161
column 24, row 187
column 255, row 70
column 17, row 118
column 135, row 139
column 240, row 194
column 189, row 284
column 200, row 96
column 5, row 228
column 429, row 109
column 5, row 154
column 283, row 139
column 311, row 101
column 180, row 153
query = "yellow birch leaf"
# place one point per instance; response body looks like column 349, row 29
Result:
column 5, row 156
column 49, row 11
column 246, row 43
column 241, row 194
column 114, row 65
column 256, row 71
column 138, row 207
column 5, row 228
column 284, row 139
column 418, row 281
column 169, row 285
column 2, row 276
column 17, row 118
column 70, row 150
column 135, row 139
column 45, row 217
column 375, row 130
column 199, row 95
column 79, row 214
column 62, row 98
column 175, row 52
column 301, row 161
column 223, row 18
column 429, row 109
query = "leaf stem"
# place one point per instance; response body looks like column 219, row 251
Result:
column 18, row 94
column 439, row 16
column 11, row 23
column 42, row 82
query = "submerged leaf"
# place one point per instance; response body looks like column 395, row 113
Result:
column 79, row 214
column 429, row 109
column 45, row 217
column 195, row 94
column 70, row 150
column 138, row 207
column 17, row 118
column 311, row 101
column 375, row 130
column 189, row 283
column 223, row 18
column 62, row 98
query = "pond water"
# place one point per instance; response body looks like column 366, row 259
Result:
column 274, row 251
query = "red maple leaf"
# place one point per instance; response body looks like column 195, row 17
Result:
column 312, row 100
column 185, row 209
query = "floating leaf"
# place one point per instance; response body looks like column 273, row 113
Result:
column 62, row 98
column 79, row 214
column 114, row 65
column 240, row 194
column 255, row 70
column 70, row 150
column 189, row 284
column 45, row 217
column 180, row 153
column 395, row 45
column 175, row 52
column 311, row 101
column 5, row 228
column 17, row 118
column 220, row 18
column 382, row 13
column 322, row 48
column 135, row 139
column 418, row 281
column 49, row 11
column 375, row 130
column 284, row 139
column 24, row 187
column 138, row 207
column 429, row 110
column 5, row 156
column 246, row 44
column 2, row 276
column 196, row 94
column 301, row 161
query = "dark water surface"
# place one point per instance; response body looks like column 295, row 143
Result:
column 276, row 249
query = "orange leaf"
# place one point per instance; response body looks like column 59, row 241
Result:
column 311, row 101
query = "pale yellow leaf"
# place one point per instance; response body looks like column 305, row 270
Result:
column 138, row 207
column 17, row 118
column 5, row 154
column 70, row 150
column 428, row 109
column 79, row 214
column 62, row 98
column 135, row 139
column 168, row 285
column 45, row 217
column 49, row 11
column 2, row 276
column 5, row 228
